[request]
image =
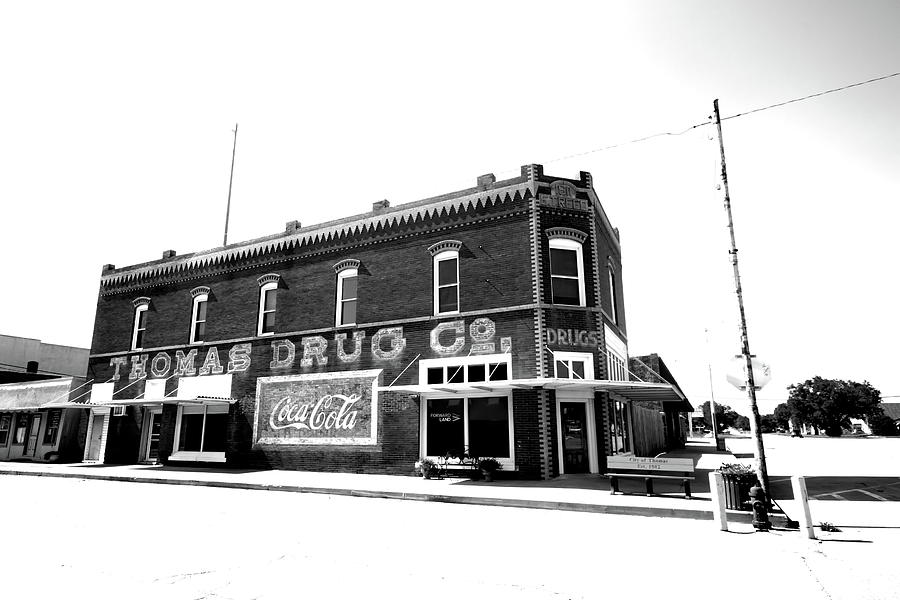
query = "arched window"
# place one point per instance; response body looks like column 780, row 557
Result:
column 446, row 276
column 566, row 266
column 268, row 295
column 198, row 314
column 346, row 297
column 141, row 306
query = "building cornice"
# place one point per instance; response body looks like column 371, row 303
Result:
column 381, row 222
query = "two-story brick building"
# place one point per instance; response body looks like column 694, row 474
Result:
column 490, row 320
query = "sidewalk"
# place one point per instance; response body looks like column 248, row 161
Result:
column 583, row 493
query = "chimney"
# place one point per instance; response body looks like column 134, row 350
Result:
column 485, row 181
column 168, row 254
column 380, row 206
column 31, row 367
column 292, row 227
column 107, row 269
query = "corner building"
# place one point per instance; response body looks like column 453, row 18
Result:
column 489, row 320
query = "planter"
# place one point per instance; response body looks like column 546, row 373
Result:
column 488, row 475
column 737, row 490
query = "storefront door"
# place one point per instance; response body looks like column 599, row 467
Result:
column 154, row 424
column 31, row 444
column 96, row 437
column 574, row 437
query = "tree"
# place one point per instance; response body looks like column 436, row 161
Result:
column 767, row 424
column 725, row 417
column 742, row 423
column 881, row 424
column 829, row 404
column 783, row 416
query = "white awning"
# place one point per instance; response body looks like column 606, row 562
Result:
column 630, row 390
column 170, row 400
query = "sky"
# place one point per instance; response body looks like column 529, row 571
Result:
column 116, row 144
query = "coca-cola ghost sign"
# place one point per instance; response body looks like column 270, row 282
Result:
column 318, row 408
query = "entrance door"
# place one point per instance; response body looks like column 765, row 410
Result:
column 31, row 444
column 574, row 437
column 96, row 436
column 154, row 424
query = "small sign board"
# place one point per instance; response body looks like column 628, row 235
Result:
column 646, row 463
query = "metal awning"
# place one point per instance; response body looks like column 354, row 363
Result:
column 630, row 390
column 169, row 400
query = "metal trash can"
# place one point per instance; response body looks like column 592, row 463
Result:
column 737, row 490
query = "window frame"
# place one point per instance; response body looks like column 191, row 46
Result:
column 194, row 455
column 563, row 243
column 139, row 311
column 466, row 362
column 568, row 357
column 438, row 258
column 343, row 274
column 204, row 297
column 263, row 290
column 508, row 463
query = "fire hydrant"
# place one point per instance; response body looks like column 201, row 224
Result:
column 758, row 504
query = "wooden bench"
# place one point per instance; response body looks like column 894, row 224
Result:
column 649, row 469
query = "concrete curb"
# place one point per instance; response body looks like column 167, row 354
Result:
column 640, row 511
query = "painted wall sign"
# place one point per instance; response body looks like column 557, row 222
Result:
column 318, row 409
column 317, row 352
column 572, row 337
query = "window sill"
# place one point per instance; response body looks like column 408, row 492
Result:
column 198, row 456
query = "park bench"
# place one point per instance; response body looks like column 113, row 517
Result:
column 649, row 469
column 462, row 466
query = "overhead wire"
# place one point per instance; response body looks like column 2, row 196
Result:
column 710, row 121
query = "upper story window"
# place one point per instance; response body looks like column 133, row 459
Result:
column 141, row 307
column 573, row 365
column 198, row 313
column 446, row 276
column 268, row 296
column 347, row 289
column 613, row 298
column 567, row 266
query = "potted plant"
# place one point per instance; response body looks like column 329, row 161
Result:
column 426, row 467
column 488, row 466
column 738, row 479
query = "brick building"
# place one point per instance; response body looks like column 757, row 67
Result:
column 489, row 320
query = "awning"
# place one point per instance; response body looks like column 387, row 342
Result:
column 37, row 395
column 630, row 390
column 169, row 400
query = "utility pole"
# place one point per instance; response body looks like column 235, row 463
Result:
column 230, row 179
column 761, row 469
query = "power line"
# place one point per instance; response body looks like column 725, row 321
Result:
column 816, row 95
column 710, row 121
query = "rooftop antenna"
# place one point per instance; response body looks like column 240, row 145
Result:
column 230, row 179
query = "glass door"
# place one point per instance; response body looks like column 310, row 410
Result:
column 575, row 438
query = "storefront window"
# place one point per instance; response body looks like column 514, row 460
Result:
column 21, row 429
column 618, row 427
column 446, row 429
column 202, row 429
column 479, row 426
column 5, row 424
column 489, row 427
column 53, row 419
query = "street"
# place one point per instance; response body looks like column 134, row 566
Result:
column 836, row 469
column 112, row 540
